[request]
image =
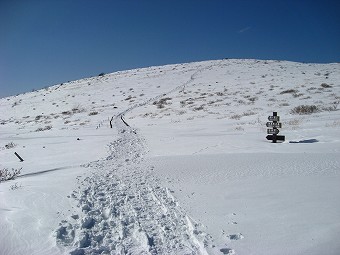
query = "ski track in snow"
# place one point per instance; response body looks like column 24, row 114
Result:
column 122, row 209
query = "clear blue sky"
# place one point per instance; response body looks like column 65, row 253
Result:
column 46, row 42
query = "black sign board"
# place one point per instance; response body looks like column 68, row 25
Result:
column 273, row 131
column 274, row 118
column 274, row 124
column 278, row 137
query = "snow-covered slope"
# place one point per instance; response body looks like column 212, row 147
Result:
column 185, row 168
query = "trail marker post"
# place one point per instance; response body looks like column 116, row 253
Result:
column 273, row 130
column 20, row 158
column 111, row 122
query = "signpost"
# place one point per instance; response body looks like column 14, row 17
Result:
column 273, row 130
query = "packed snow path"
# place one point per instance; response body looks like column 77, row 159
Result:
column 123, row 210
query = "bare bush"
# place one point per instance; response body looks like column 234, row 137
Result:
column 289, row 91
column 333, row 107
column 6, row 174
column 78, row 109
column 325, row 85
column 284, row 104
column 297, row 95
column 236, row 116
column 305, row 109
column 10, row 145
column 16, row 103
column 93, row 113
column 252, row 99
column 66, row 113
column 129, row 98
column 336, row 123
column 38, row 117
column 249, row 113
column 15, row 186
column 311, row 88
column 43, row 128
column 199, row 108
column 162, row 102
column 294, row 122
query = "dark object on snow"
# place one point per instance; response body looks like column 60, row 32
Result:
column 78, row 139
column 305, row 141
column 16, row 154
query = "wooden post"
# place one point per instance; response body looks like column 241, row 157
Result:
column 121, row 117
column 274, row 135
column 16, row 154
column 111, row 122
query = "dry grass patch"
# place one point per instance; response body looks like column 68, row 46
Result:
column 9, row 174
column 289, row 91
column 325, row 85
column 43, row 128
column 305, row 109
column 162, row 102
column 93, row 113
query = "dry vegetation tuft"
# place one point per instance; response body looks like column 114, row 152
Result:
column 6, row 174
column 305, row 109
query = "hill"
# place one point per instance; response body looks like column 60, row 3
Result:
column 186, row 167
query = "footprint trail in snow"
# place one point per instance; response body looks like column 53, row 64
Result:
column 123, row 210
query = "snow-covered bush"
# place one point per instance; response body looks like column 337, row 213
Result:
column 6, row 174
